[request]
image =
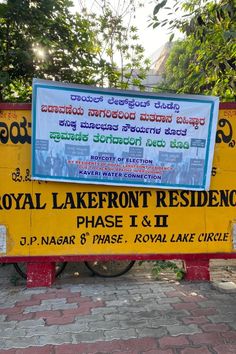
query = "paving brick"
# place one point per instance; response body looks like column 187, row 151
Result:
column 7, row 333
column 64, row 306
column 158, row 351
column 85, row 299
column 142, row 313
column 76, row 289
column 71, row 348
column 169, row 341
column 211, row 303
column 20, row 316
column 36, row 291
column 199, row 350
column 27, row 303
column 42, row 330
column 45, row 307
column 137, row 290
column 130, row 309
column 117, row 303
column 216, row 296
column 105, row 310
column 173, row 313
column 19, row 342
column 30, row 323
column 116, row 316
column 72, row 327
column 207, row 338
column 62, row 320
column 74, row 299
column 83, row 310
column 163, row 320
column 185, row 306
column 87, row 337
column 177, row 330
column 230, row 336
column 174, row 293
column 158, row 307
column 225, row 348
column 120, row 334
column 43, row 296
column 54, row 339
column 195, row 320
column 193, row 297
column 211, row 327
column 140, row 344
column 12, row 310
column 223, row 317
column 165, row 287
column 152, row 332
column 47, row 349
column 90, row 318
column 104, row 325
column 66, row 293
column 98, row 303
column 7, row 304
column 133, row 323
column 147, row 315
column 166, row 300
column 204, row 312
column 121, row 352
column 54, row 301
column 8, row 325
column 105, row 347
column 47, row 314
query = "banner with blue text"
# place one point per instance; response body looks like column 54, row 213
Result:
column 92, row 135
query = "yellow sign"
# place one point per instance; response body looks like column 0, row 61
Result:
column 39, row 218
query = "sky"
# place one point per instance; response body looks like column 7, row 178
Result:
column 151, row 39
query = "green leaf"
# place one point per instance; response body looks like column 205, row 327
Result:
column 159, row 6
column 4, row 77
column 171, row 37
column 3, row 10
column 156, row 25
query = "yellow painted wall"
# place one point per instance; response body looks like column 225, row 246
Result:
column 45, row 218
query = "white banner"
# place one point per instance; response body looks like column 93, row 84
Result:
column 89, row 135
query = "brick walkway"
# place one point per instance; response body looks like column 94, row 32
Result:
column 127, row 315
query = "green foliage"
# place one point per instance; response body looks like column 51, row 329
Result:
column 17, row 90
column 160, row 266
column 205, row 61
column 41, row 38
column 119, row 42
column 44, row 39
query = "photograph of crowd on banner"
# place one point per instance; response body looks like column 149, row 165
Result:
column 100, row 136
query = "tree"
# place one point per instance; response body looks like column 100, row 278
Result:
column 45, row 39
column 42, row 38
column 119, row 42
column 204, row 62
